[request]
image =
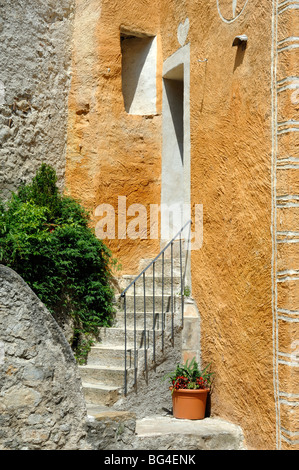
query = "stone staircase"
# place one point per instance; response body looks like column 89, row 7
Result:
column 103, row 376
column 112, row 425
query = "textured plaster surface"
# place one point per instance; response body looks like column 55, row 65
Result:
column 112, row 153
column 34, row 79
column 232, row 94
column 231, row 177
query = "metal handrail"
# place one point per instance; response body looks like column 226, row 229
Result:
column 157, row 257
column 133, row 283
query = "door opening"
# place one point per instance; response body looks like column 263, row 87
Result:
column 175, row 192
column 173, row 153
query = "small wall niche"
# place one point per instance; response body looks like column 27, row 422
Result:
column 139, row 64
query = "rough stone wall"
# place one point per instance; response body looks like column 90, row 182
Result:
column 34, row 82
column 111, row 430
column 41, row 399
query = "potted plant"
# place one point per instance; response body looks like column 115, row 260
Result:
column 189, row 388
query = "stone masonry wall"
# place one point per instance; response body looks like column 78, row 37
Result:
column 41, row 400
column 34, row 82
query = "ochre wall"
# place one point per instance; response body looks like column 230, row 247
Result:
column 235, row 119
column 231, row 177
column 111, row 153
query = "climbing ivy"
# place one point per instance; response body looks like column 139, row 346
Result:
column 45, row 237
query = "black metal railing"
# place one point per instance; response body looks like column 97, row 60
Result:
column 152, row 264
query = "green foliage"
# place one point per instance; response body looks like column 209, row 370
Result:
column 82, row 342
column 187, row 291
column 46, row 239
column 188, row 376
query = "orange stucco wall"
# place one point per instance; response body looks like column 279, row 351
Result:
column 232, row 273
column 111, row 153
column 236, row 152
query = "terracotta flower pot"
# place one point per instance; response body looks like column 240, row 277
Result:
column 189, row 404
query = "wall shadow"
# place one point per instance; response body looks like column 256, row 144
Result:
column 135, row 54
column 239, row 56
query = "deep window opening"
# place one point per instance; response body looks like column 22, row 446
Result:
column 139, row 63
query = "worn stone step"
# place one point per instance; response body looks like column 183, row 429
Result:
column 101, row 394
column 115, row 356
column 175, row 247
column 111, row 376
column 159, row 302
column 168, row 433
column 102, row 355
column 151, row 319
column 156, row 321
column 173, row 266
column 162, row 433
column 159, row 285
column 116, row 336
column 110, row 429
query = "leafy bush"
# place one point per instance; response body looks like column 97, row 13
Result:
column 46, row 239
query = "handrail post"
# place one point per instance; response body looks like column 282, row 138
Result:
column 144, row 309
column 182, row 284
column 163, row 326
column 135, row 350
column 154, row 313
column 172, row 306
column 125, row 320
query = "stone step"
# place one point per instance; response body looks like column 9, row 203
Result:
column 110, row 429
column 174, row 267
column 116, row 337
column 160, row 284
column 151, row 320
column 111, row 376
column 102, row 355
column 158, row 302
column 175, row 248
column 115, row 356
column 161, row 433
column 101, row 394
column 168, row 433
column 103, row 376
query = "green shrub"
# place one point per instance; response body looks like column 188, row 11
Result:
column 46, row 239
